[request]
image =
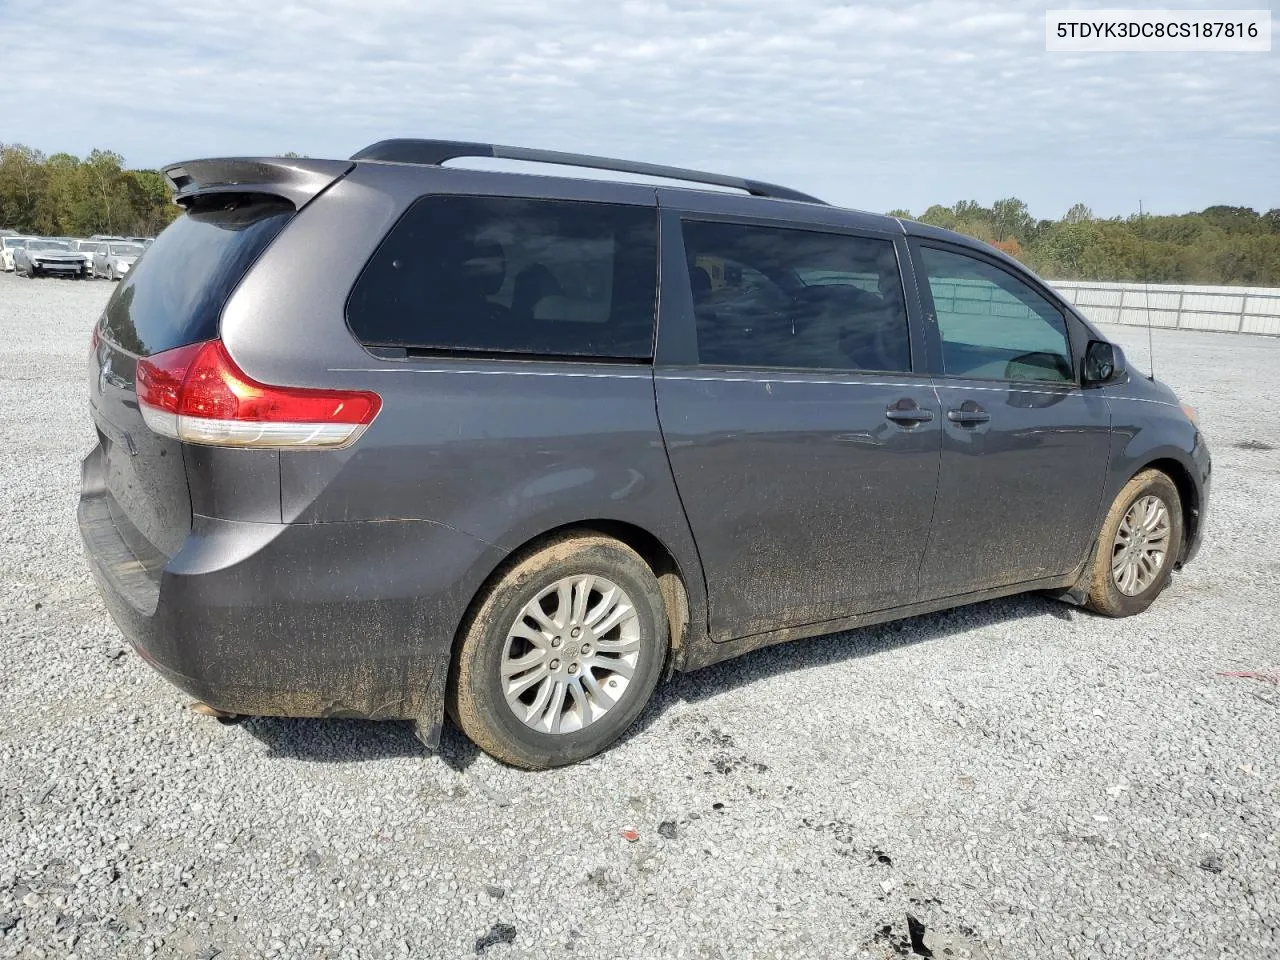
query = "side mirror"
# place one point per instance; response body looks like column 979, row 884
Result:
column 1103, row 363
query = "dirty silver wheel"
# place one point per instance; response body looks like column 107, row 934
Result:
column 570, row 654
column 1141, row 545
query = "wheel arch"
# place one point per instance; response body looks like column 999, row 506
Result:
column 673, row 582
column 1188, row 494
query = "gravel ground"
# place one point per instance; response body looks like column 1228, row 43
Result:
column 1021, row 778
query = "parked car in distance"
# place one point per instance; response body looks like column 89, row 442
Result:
column 42, row 255
column 386, row 438
column 88, row 248
column 114, row 260
column 8, row 246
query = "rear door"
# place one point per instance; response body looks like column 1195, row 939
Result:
column 803, row 439
column 1024, row 450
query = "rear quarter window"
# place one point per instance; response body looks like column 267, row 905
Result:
column 175, row 293
column 483, row 275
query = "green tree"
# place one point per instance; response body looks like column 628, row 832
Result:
column 106, row 192
column 1079, row 213
column 22, row 185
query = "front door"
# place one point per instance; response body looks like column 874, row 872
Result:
column 1024, row 450
column 804, row 446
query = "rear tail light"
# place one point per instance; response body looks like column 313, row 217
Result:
column 197, row 394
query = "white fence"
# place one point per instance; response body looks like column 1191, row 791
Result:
column 1230, row 309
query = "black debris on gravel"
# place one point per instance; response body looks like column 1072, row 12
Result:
column 667, row 829
column 495, row 891
column 896, row 942
column 1213, row 863
column 915, row 931
column 498, row 933
column 1252, row 444
column 7, row 922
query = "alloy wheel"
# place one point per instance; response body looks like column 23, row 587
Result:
column 1141, row 545
column 570, row 654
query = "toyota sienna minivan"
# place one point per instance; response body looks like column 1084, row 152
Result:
column 387, row 438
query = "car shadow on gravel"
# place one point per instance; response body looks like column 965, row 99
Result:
column 334, row 741
column 354, row 741
column 826, row 649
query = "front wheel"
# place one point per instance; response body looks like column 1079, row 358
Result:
column 561, row 655
column 1141, row 541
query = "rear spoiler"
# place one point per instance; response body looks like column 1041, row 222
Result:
column 297, row 180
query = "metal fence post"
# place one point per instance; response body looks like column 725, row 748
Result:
column 1244, row 307
column 1177, row 317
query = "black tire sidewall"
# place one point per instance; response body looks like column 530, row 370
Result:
column 487, row 640
column 1161, row 486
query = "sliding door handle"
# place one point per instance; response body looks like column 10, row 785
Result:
column 906, row 413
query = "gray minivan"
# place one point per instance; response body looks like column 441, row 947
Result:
column 388, row 438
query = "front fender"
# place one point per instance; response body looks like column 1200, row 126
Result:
column 1150, row 430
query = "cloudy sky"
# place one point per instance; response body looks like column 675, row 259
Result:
column 890, row 104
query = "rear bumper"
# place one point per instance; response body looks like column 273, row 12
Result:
column 331, row 619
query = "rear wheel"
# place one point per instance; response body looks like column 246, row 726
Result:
column 561, row 656
column 1140, row 542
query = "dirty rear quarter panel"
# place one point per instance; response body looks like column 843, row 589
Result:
column 500, row 450
column 307, row 619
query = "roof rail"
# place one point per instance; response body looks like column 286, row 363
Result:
column 436, row 152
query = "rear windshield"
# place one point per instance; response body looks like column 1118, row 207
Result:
column 176, row 292
column 484, row 275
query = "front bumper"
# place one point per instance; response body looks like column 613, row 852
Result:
column 57, row 266
column 307, row 620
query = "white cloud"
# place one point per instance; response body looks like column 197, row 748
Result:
column 891, row 104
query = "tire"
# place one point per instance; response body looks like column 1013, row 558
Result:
column 111, row 273
column 476, row 698
column 1106, row 595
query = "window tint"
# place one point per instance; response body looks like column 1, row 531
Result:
column 497, row 274
column 994, row 326
column 175, row 294
column 771, row 297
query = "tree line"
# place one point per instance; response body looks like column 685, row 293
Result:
column 64, row 195
column 1218, row 245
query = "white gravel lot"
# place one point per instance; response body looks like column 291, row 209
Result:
column 1023, row 778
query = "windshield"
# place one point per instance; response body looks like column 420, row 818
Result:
column 48, row 245
column 12, row 243
column 126, row 250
